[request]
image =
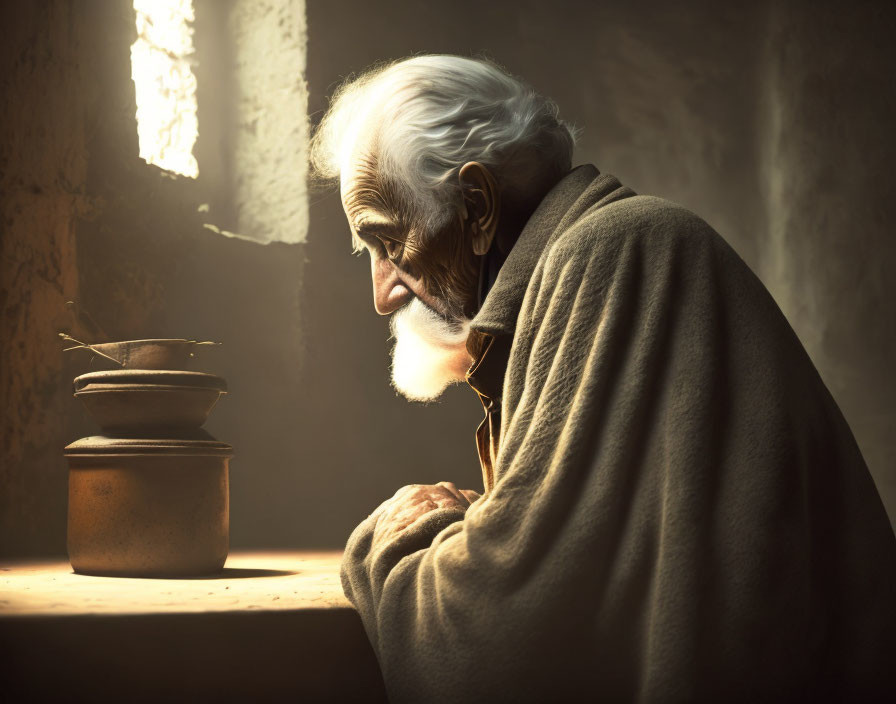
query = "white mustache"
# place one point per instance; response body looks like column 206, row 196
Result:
column 421, row 320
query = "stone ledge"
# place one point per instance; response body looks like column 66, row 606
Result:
column 264, row 581
column 271, row 626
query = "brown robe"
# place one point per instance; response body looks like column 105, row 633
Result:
column 675, row 508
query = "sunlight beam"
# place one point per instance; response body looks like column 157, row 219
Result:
column 161, row 58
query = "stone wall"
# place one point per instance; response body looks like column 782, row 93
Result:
column 43, row 170
column 827, row 247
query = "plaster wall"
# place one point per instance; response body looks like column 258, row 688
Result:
column 827, row 247
column 772, row 124
column 43, row 168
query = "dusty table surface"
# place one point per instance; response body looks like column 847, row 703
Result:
column 272, row 626
column 250, row 581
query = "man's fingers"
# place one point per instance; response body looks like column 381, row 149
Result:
column 470, row 495
column 416, row 499
column 466, row 496
column 453, row 491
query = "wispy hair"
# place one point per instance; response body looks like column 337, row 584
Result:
column 419, row 120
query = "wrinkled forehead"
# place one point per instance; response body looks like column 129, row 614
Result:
column 364, row 193
column 358, row 167
column 363, row 201
column 351, row 182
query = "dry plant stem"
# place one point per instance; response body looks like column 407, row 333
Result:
column 83, row 345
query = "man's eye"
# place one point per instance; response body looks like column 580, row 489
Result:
column 391, row 247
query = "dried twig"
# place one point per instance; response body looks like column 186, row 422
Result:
column 84, row 346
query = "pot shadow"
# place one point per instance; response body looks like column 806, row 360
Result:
column 246, row 573
column 225, row 573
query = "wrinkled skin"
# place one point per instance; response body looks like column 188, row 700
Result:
column 415, row 501
column 443, row 277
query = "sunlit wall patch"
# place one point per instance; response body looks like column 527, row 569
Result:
column 167, row 125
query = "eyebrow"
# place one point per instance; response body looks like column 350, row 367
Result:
column 372, row 221
column 366, row 226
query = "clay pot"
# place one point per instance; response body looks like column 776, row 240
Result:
column 153, row 507
column 124, row 399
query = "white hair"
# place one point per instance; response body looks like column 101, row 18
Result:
column 419, row 120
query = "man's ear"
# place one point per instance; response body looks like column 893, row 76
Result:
column 483, row 203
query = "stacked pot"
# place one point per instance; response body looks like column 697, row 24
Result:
column 150, row 496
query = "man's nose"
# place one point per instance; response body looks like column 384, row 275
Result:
column 389, row 293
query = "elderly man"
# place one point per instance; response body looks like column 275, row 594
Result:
column 674, row 508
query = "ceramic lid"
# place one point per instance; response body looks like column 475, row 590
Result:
column 161, row 377
column 109, row 445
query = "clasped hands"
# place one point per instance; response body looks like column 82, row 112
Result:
column 412, row 502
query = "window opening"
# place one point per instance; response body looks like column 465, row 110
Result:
column 161, row 67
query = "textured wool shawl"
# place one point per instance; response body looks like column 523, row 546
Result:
column 679, row 510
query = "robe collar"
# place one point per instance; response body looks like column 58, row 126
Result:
column 580, row 190
column 492, row 330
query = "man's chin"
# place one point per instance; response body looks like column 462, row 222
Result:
column 422, row 373
column 429, row 354
column 422, row 391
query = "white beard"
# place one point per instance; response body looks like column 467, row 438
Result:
column 430, row 352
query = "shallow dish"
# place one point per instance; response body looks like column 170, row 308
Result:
column 121, row 399
column 147, row 354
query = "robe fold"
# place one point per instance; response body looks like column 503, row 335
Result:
column 675, row 508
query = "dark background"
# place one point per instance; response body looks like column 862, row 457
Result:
column 774, row 121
